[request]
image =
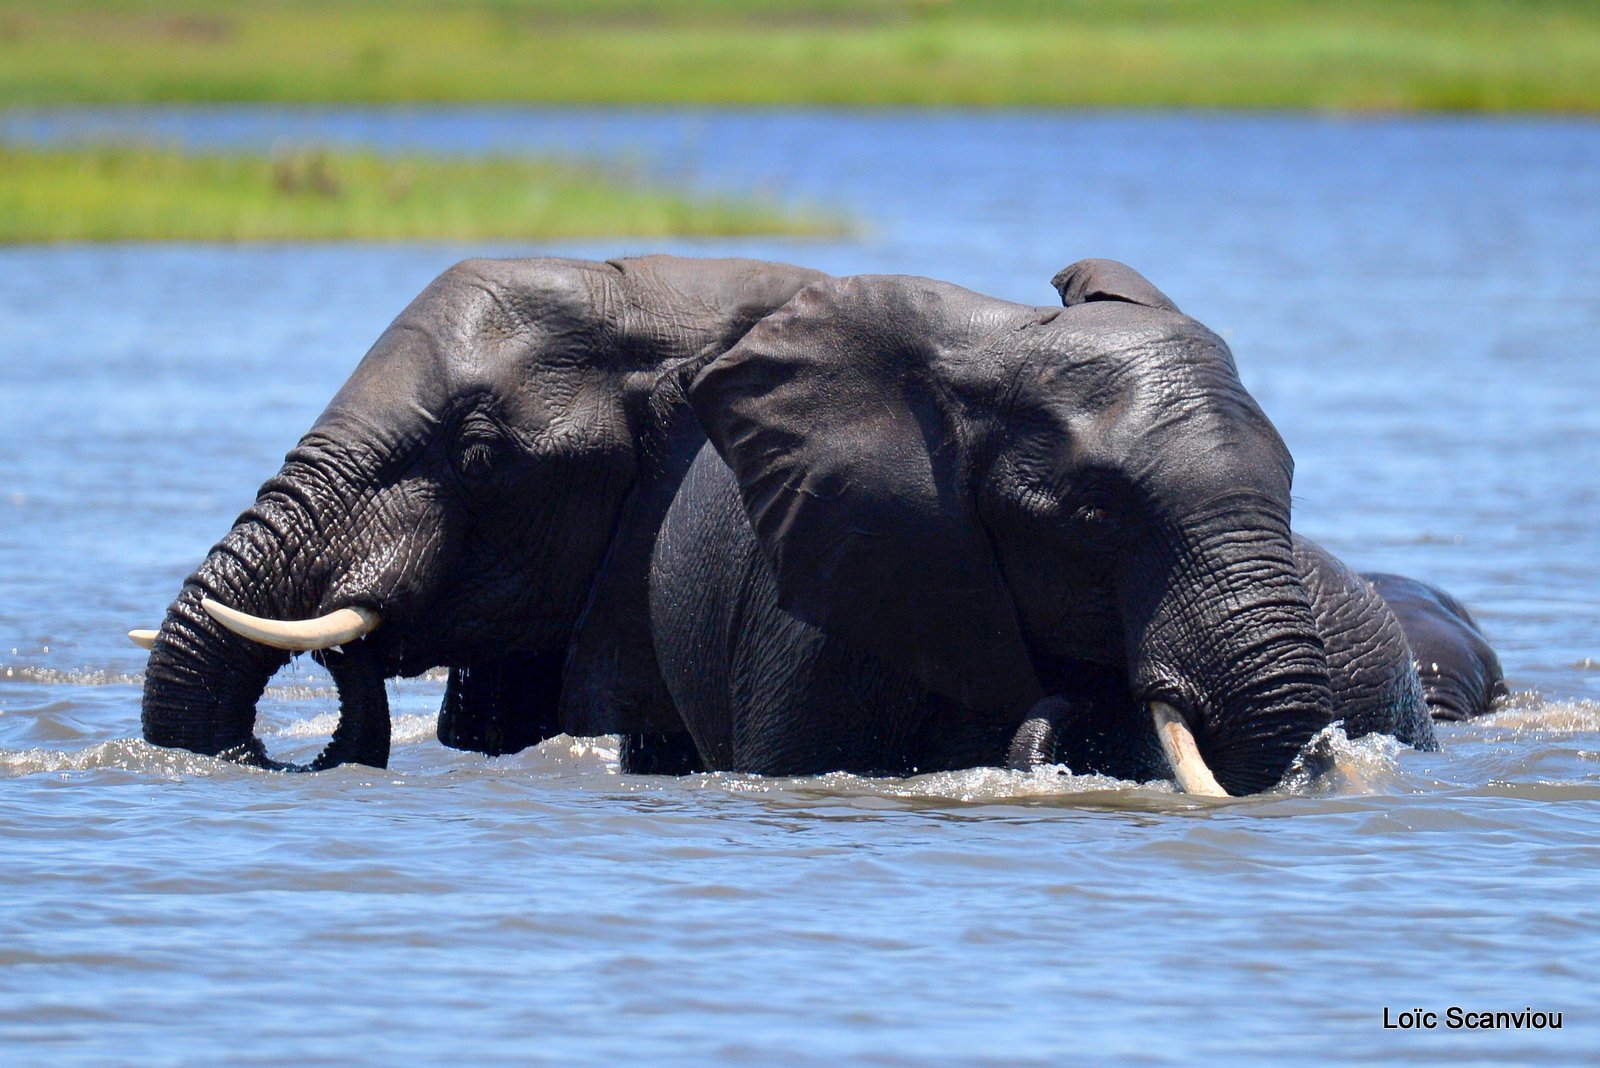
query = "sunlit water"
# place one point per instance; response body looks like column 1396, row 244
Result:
column 1415, row 303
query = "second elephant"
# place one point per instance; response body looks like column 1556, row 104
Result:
column 929, row 511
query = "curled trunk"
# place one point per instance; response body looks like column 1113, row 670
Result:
column 203, row 681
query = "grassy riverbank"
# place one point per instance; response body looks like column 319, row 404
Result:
column 144, row 194
column 1489, row 55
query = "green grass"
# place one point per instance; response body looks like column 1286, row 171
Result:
column 1479, row 55
column 111, row 193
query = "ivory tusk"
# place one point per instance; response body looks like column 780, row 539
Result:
column 1177, row 742
column 336, row 628
column 146, row 638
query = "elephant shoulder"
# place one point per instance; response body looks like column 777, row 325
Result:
column 1420, row 596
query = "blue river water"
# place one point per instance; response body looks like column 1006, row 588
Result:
column 1416, row 304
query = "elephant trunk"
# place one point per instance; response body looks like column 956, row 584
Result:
column 1230, row 647
column 203, row 680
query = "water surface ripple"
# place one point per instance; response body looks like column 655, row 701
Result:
column 1414, row 302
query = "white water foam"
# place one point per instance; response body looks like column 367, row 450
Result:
column 76, row 677
column 1528, row 711
column 1332, row 763
column 403, row 729
column 121, row 754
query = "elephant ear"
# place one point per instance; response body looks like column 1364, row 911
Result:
column 836, row 418
column 1091, row 280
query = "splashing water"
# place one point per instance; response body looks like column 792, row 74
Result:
column 1408, row 298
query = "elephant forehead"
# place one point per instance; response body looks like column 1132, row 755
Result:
column 1173, row 438
column 408, row 386
column 1108, row 400
column 1140, row 364
column 508, row 295
column 540, row 376
column 577, row 410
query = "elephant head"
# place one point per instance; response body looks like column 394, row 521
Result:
column 485, row 479
column 1005, row 499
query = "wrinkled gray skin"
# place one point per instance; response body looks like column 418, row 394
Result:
column 1374, row 684
column 1461, row 676
column 490, row 480
column 928, row 511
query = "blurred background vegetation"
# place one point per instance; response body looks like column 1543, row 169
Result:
column 100, row 192
column 1473, row 55
column 1346, row 56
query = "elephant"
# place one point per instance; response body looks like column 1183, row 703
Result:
column 486, row 486
column 1376, row 689
column 1374, row 682
column 1368, row 620
column 924, row 513
column 1460, row 673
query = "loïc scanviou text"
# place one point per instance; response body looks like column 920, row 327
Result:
column 1456, row 1018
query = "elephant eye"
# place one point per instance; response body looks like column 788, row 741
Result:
column 478, row 445
column 1095, row 524
column 477, row 460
